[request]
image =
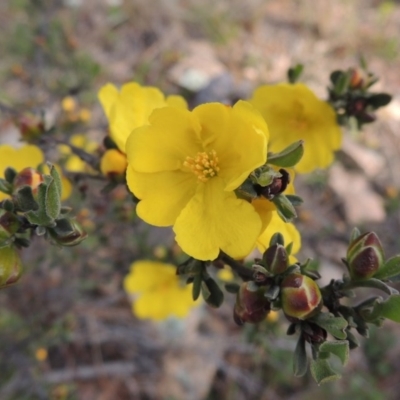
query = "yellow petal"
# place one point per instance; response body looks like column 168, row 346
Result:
column 177, row 101
column 132, row 109
column 163, row 195
column 239, row 137
column 293, row 112
column 159, row 292
column 23, row 157
column 288, row 231
column 165, row 144
column 145, row 274
column 108, row 95
column 215, row 220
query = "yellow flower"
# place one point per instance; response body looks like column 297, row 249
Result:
column 23, row 157
column 185, row 166
column 293, row 112
column 74, row 163
column 68, row 104
column 131, row 107
column 157, row 290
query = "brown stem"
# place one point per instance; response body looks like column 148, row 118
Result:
column 245, row 273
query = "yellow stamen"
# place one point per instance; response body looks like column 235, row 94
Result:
column 204, row 165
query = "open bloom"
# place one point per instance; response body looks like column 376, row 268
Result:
column 293, row 112
column 157, row 291
column 131, row 107
column 184, row 167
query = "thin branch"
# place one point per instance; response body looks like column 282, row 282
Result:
column 245, row 273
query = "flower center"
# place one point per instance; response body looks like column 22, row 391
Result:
column 299, row 120
column 204, row 165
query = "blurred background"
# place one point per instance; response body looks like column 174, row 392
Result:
column 66, row 329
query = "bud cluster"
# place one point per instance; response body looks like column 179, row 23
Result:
column 34, row 205
column 349, row 95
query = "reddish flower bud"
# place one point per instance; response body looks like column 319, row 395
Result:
column 276, row 259
column 301, row 297
column 9, row 224
column 30, row 125
column 365, row 256
column 251, row 305
column 357, row 78
column 28, row 177
column 10, row 266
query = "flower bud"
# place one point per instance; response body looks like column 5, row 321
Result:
column 113, row 163
column 67, row 232
column 30, row 125
column 276, row 259
column 10, row 266
column 9, row 224
column 365, row 256
column 301, row 297
column 28, row 177
column 251, row 305
column 313, row 333
column 357, row 78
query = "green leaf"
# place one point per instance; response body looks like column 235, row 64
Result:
column 5, row 187
column 342, row 83
column 339, row 348
column 353, row 341
column 322, row 372
column 40, row 216
column 232, row 287
column 390, row 309
column 334, row 325
column 288, row 157
column 246, row 190
column 379, row 100
column 389, row 269
column 294, row 199
column 355, row 233
column 57, row 179
column 25, row 199
column 335, row 75
column 196, row 288
column 212, row 293
column 10, row 174
column 374, row 283
column 53, row 201
column 284, row 207
column 277, row 238
column 294, row 73
column 300, row 361
column 63, row 227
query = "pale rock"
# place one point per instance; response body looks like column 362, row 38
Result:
column 361, row 203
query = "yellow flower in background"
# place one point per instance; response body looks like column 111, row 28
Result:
column 131, row 107
column 28, row 156
column 113, row 163
column 184, row 168
column 73, row 162
column 293, row 112
column 19, row 158
column 157, row 291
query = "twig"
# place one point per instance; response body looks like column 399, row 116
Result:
column 89, row 372
column 245, row 273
